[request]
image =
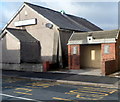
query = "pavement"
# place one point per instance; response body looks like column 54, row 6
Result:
column 66, row 77
column 85, row 71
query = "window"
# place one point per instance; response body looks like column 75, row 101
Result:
column 106, row 49
column 49, row 25
column 26, row 13
column 75, row 48
column 93, row 55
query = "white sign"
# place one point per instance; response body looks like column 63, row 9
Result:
column 25, row 22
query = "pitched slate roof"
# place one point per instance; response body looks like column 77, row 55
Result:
column 64, row 21
column 22, row 35
column 85, row 23
column 95, row 35
column 98, row 37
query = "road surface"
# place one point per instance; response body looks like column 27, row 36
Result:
column 32, row 90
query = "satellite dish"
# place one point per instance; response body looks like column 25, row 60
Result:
column 49, row 25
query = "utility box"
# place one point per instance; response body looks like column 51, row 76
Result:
column 46, row 66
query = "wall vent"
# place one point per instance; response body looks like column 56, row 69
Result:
column 89, row 38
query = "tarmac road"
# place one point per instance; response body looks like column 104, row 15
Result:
column 20, row 90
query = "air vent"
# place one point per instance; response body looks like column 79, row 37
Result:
column 49, row 25
column 89, row 38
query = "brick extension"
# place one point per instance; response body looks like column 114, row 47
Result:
column 109, row 62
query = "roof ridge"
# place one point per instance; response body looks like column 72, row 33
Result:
column 75, row 16
column 85, row 20
column 42, row 7
column 56, row 11
column 78, row 24
column 61, row 21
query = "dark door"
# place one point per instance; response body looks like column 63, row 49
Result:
column 30, row 52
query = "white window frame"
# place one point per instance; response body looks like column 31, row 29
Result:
column 75, row 50
column 106, row 49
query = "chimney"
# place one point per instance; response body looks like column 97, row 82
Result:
column 62, row 12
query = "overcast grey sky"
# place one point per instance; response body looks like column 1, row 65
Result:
column 102, row 14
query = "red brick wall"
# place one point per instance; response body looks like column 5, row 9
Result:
column 73, row 59
column 109, row 62
column 69, row 56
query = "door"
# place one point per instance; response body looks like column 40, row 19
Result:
column 30, row 52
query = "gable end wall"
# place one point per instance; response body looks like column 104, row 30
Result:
column 40, row 32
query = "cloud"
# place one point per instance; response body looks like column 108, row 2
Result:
column 7, row 10
column 104, row 14
column 58, row 0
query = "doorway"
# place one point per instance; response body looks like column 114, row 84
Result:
column 90, row 56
